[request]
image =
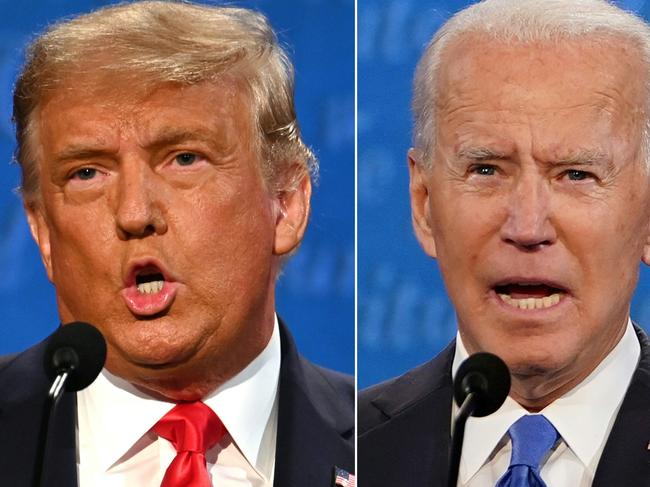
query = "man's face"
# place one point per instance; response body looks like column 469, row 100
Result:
column 536, row 205
column 156, row 226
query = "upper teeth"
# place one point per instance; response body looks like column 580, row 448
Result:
column 150, row 287
column 531, row 303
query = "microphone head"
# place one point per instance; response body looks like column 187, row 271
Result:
column 78, row 348
column 488, row 377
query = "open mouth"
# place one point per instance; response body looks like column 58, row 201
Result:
column 149, row 281
column 148, row 289
column 530, row 295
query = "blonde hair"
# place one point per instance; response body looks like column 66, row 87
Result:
column 155, row 42
column 525, row 21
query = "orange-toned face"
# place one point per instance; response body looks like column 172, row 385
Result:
column 537, row 203
column 155, row 225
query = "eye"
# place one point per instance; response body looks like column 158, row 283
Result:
column 483, row 170
column 185, row 159
column 577, row 175
column 85, row 173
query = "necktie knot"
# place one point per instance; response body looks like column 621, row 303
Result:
column 532, row 438
column 193, row 429
column 191, row 426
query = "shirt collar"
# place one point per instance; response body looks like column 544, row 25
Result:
column 583, row 427
column 245, row 403
column 120, row 414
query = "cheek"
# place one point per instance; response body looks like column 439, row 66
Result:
column 83, row 241
column 84, row 278
column 232, row 235
column 607, row 240
column 464, row 227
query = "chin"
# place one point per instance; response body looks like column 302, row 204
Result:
column 154, row 352
column 174, row 390
column 530, row 369
column 540, row 363
column 161, row 359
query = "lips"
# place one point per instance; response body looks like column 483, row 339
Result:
column 149, row 288
column 530, row 294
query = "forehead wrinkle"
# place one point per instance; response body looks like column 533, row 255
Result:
column 619, row 105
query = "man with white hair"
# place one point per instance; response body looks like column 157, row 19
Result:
column 529, row 185
column 165, row 183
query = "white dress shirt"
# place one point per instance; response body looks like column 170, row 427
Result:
column 116, row 447
column 583, row 417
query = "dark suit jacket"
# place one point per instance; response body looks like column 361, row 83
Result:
column 404, row 429
column 315, row 422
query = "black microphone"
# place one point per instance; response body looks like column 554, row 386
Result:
column 74, row 357
column 481, row 385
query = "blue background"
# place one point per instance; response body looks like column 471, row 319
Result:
column 404, row 315
column 316, row 293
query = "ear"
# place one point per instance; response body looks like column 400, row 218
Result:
column 646, row 249
column 420, row 204
column 291, row 220
column 41, row 234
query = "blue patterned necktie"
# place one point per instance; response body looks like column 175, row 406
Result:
column 532, row 437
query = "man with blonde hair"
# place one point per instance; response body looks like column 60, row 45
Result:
column 165, row 183
column 529, row 185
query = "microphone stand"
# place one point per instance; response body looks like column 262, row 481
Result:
column 481, row 385
column 472, row 384
column 53, row 396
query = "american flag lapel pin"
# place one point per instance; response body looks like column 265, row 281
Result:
column 343, row 478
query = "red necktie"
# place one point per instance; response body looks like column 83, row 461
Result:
column 193, row 429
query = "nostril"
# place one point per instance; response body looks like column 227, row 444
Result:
column 130, row 229
column 528, row 246
column 149, row 230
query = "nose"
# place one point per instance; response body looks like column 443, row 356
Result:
column 139, row 208
column 528, row 224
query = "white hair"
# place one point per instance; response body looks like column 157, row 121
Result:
column 523, row 21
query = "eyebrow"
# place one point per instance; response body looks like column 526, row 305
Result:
column 167, row 136
column 585, row 158
column 580, row 157
column 479, row 154
column 174, row 135
column 83, row 151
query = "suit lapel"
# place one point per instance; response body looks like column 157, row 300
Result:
column 417, row 431
column 626, row 458
column 23, row 387
column 315, row 433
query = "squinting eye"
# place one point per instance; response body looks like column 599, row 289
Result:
column 85, row 173
column 484, row 170
column 185, row 159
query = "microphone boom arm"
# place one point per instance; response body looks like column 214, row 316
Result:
column 457, row 436
column 481, row 385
